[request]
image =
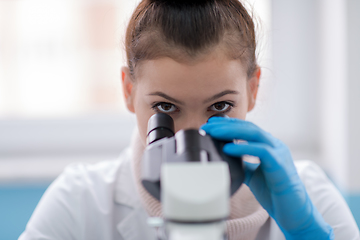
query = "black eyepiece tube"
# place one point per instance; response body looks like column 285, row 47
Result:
column 160, row 125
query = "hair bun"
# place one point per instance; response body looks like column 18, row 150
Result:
column 180, row 1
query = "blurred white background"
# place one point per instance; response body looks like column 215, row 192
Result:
column 60, row 91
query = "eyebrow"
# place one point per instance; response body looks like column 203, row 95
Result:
column 221, row 94
column 216, row 96
column 161, row 94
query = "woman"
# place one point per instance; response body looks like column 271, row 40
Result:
column 192, row 60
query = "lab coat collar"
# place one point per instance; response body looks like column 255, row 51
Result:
column 134, row 225
column 125, row 189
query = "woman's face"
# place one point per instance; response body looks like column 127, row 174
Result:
column 189, row 93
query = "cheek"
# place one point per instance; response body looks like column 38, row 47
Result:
column 142, row 127
column 143, row 113
column 239, row 113
column 240, row 110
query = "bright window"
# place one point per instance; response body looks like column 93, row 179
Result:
column 61, row 58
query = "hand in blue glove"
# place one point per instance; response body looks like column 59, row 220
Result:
column 275, row 182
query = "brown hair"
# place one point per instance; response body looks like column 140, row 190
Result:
column 186, row 29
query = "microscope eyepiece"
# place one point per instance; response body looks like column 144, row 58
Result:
column 160, row 125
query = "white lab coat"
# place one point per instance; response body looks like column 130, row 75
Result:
column 100, row 201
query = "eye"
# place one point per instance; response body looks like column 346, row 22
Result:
column 165, row 107
column 221, row 107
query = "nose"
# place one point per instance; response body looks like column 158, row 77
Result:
column 190, row 122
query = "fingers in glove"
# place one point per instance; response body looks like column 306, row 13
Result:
column 278, row 176
column 228, row 129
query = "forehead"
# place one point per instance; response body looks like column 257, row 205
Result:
column 209, row 74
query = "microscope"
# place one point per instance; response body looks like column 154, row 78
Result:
column 192, row 178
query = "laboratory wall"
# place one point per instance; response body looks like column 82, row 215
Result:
column 353, row 99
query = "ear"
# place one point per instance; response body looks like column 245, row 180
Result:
column 253, row 87
column 127, row 85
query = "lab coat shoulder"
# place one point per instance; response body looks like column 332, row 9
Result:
column 80, row 203
column 91, row 202
column 328, row 200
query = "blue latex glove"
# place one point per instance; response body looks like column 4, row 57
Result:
column 275, row 182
